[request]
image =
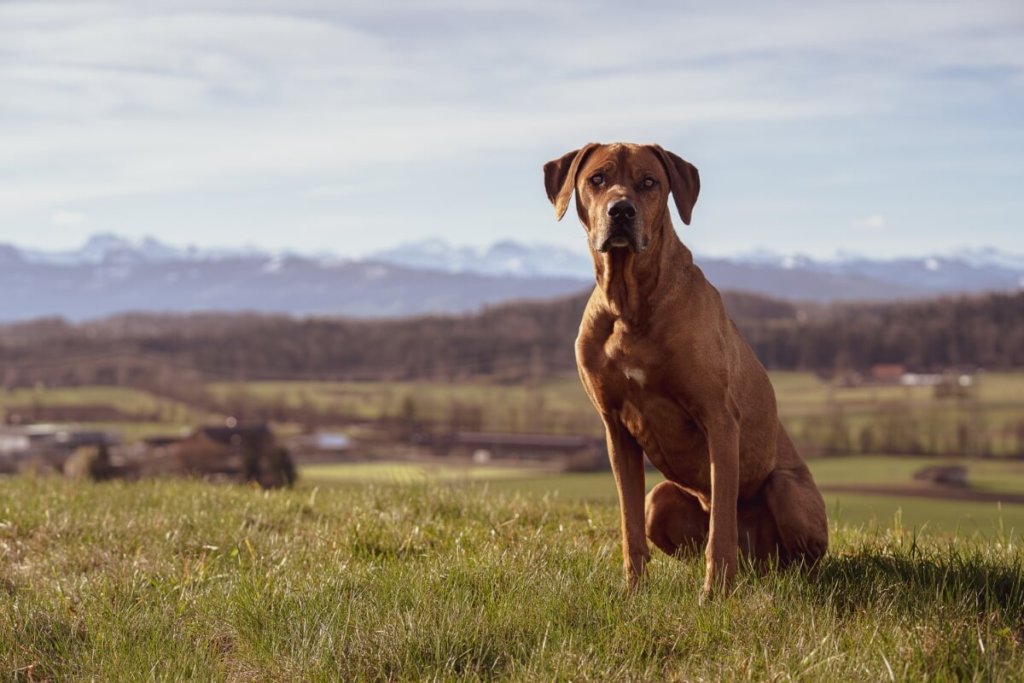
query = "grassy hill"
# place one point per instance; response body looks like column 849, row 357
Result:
column 184, row 580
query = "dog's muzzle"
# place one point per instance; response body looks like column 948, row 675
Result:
column 622, row 227
column 618, row 237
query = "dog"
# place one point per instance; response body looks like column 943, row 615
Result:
column 672, row 378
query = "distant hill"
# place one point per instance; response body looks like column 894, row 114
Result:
column 287, row 284
column 111, row 274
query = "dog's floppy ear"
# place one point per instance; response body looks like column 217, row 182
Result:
column 560, row 177
column 684, row 181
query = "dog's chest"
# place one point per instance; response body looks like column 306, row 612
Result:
column 628, row 363
column 629, row 349
column 635, row 374
column 639, row 386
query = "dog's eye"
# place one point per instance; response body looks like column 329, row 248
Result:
column 597, row 179
column 649, row 182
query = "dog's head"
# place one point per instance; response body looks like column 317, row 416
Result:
column 621, row 191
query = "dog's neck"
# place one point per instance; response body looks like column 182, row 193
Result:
column 628, row 279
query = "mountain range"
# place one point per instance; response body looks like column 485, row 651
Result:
column 111, row 274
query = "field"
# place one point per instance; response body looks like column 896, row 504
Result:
column 139, row 414
column 555, row 405
column 912, row 514
column 396, row 571
column 822, row 417
column 817, row 413
column 163, row 580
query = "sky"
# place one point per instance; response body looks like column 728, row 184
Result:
column 878, row 128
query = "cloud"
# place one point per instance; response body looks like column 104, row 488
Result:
column 68, row 219
column 178, row 57
column 872, row 223
column 106, row 101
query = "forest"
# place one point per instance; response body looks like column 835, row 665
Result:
column 511, row 342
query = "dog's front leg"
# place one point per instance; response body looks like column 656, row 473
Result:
column 627, row 460
column 722, row 548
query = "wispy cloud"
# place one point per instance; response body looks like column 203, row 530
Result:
column 128, row 100
column 67, row 218
column 872, row 223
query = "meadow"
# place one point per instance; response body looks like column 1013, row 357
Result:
column 401, row 571
column 808, row 405
column 823, row 417
column 869, row 510
column 180, row 580
column 139, row 413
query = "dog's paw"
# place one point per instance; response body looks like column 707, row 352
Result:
column 717, row 584
column 635, row 568
column 634, row 580
column 713, row 592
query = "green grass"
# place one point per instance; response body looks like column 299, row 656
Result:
column 150, row 415
column 131, row 401
column 555, row 405
column 406, row 473
column 799, row 393
column 808, row 406
column 879, row 511
column 990, row 475
column 187, row 581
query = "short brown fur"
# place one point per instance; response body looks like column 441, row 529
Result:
column 671, row 377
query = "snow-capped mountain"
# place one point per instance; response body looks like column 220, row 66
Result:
column 845, row 276
column 501, row 258
column 105, row 248
column 967, row 271
column 111, row 274
column 266, row 284
column 109, row 248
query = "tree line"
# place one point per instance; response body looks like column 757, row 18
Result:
column 511, row 342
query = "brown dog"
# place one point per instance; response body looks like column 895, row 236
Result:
column 671, row 377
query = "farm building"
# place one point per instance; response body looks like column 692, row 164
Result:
column 887, row 373
column 236, row 452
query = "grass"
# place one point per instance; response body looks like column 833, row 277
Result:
column 809, row 407
column 880, row 511
column 130, row 401
column 555, row 404
column 406, row 473
column 989, row 475
column 183, row 580
column 149, row 414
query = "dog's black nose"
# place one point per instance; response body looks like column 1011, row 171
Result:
column 622, row 209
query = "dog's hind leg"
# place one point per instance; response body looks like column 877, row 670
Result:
column 678, row 524
column 758, row 535
column 675, row 520
column 797, row 506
